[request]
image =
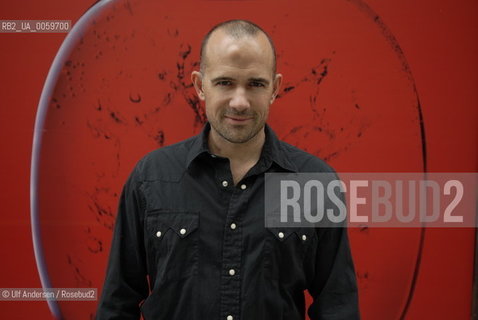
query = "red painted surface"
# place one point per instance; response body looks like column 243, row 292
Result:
column 88, row 152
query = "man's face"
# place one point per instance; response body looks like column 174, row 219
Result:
column 237, row 85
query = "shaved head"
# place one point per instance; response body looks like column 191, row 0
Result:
column 237, row 81
column 237, row 29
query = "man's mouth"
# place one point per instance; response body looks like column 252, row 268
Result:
column 238, row 119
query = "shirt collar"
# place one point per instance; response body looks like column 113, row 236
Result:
column 199, row 145
column 272, row 152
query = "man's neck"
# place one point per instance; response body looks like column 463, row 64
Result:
column 242, row 156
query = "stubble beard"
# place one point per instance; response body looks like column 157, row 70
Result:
column 238, row 133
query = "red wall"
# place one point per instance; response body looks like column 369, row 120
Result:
column 436, row 63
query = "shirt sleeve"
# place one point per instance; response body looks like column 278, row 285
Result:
column 333, row 287
column 126, row 284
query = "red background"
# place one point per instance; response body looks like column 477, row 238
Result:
column 439, row 42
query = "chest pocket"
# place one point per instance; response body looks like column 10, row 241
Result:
column 286, row 249
column 171, row 239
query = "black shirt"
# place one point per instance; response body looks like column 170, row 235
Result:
column 189, row 244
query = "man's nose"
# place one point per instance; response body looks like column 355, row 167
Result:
column 239, row 100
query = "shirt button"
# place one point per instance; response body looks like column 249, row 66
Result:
column 225, row 183
column 229, row 317
column 158, row 234
column 233, row 226
column 232, row 272
column 281, row 235
column 243, row 186
column 182, row 231
column 304, row 237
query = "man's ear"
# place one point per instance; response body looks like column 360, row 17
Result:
column 196, row 78
column 276, row 86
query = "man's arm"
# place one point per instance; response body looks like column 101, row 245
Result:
column 126, row 284
column 334, row 288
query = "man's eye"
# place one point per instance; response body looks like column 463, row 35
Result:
column 224, row 83
column 257, row 84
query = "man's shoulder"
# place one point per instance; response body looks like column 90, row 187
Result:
column 176, row 151
column 168, row 161
column 304, row 161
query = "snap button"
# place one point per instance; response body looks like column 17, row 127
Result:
column 233, row 226
column 281, row 235
column 182, row 231
column 158, row 234
column 225, row 183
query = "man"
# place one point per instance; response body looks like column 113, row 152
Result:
column 189, row 239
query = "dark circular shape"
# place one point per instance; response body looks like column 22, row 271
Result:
column 118, row 88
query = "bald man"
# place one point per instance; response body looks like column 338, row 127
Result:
column 189, row 239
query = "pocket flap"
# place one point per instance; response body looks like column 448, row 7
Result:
column 282, row 234
column 182, row 223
